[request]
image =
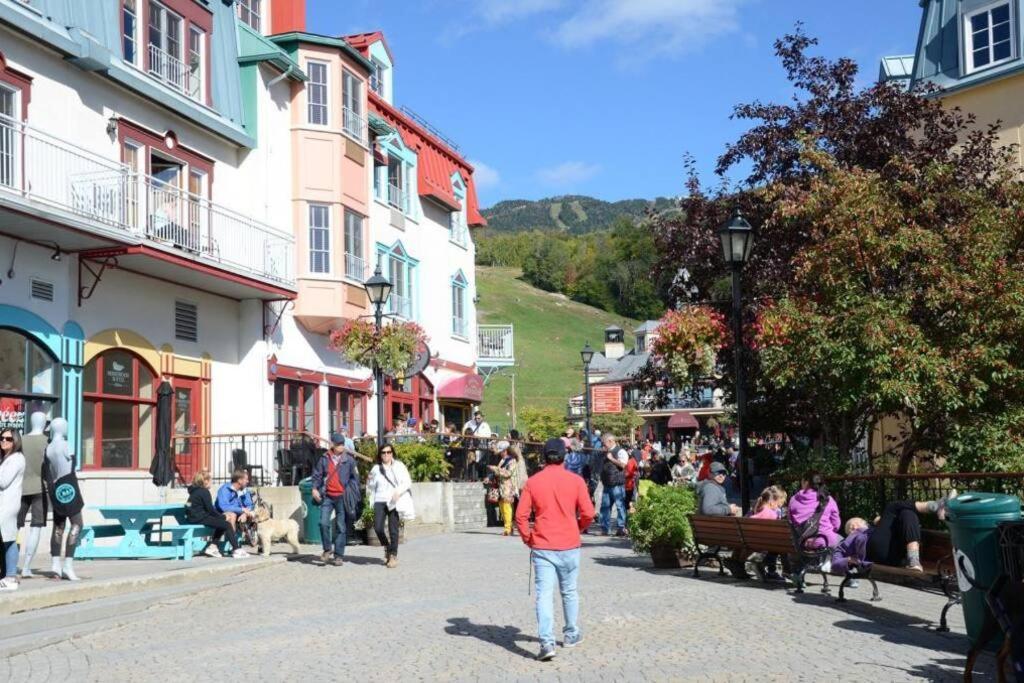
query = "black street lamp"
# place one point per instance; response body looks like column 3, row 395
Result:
column 378, row 289
column 737, row 242
column 587, row 354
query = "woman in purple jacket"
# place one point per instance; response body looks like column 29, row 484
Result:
column 808, row 501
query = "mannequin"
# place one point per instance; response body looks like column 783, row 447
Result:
column 65, row 497
column 33, row 498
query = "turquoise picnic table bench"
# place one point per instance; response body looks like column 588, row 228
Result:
column 143, row 534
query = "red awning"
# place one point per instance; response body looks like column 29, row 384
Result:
column 463, row 388
column 682, row 421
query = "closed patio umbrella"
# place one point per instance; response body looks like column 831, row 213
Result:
column 161, row 468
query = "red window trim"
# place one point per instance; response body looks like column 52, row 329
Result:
column 18, row 80
column 422, row 393
column 128, row 130
column 98, row 399
column 192, row 14
column 355, row 400
column 290, row 384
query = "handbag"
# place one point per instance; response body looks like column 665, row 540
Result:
column 493, row 495
column 66, row 496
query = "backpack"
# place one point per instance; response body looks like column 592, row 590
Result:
column 804, row 533
column 574, row 462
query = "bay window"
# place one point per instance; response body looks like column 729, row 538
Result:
column 354, row 123
column 319, row 238
column 316, row 93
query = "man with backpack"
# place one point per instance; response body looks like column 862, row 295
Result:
column 613, row 482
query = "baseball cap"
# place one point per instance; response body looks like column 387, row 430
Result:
column 554, row 446
column 501, row 446
column 337, row 438
column 717, row 468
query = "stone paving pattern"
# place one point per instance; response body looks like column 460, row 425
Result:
column 457, row 609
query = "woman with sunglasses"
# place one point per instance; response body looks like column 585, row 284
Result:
column 12, row 473
column 388, row 487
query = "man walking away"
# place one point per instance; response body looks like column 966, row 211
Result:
column 561, row 508
column 613, row 483
column 336, row 488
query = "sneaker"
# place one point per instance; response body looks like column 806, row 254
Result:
column 854, row 583
column 337, row 562
column 572, row 641
column 546, row 652
column 943, row 502
column 239, row 554
column 326, row 556
column 8, row 584
column 392, row 562
column 211, row 551
column 26, row 573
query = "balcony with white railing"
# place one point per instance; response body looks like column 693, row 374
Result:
column 61, row 184
column 354, row 125
column 401, row 306
column 398, row 198
column 494, row 346
column 172, row 71
column 356, row 268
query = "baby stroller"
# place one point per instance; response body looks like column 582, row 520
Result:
column 248, row 530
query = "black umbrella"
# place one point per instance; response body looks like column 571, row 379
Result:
column 161, row 467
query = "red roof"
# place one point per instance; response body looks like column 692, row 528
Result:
column 436, row 162
column 363, row 41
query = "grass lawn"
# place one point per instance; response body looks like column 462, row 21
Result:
column 549, row 331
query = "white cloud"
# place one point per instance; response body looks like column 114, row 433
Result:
column 484, row 176
column 649, row 26
column 568, row 174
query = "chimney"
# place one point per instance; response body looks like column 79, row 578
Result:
column 614, row 343
column 287, row 16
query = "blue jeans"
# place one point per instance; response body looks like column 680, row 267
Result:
column 337, row 506
column 615, row 495
column 549, row 566
column 10, row 558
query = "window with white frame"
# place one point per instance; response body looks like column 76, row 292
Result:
column 352, row 105
column 10, row 107
column 319, row 238
column 459, row 320
column 400, row 268
column 251, row 12
column 397, row 195
column 989, row 36
column 196, row 62
column 355, row 265
column 377, row 77
column 130, row 31
column 165, row 47
column 316, row 93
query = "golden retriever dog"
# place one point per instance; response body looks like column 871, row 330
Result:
column 269, row 530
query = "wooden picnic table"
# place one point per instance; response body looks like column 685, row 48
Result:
column 136, row 527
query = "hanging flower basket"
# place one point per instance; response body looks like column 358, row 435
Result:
column 393, row 348
column 688, row 343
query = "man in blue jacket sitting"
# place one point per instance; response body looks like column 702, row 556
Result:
column 235, row 501
column 337, row 488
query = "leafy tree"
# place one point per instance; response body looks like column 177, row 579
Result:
column 541, row 423
column 622, row 425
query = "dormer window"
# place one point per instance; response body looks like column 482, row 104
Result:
column 988, row 36
column 377, row 77
column 251, row 13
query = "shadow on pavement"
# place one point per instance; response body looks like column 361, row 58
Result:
column 315, row 560
column 507, row 637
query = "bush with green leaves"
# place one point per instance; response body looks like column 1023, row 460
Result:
column 541, row 423
column 425, row 461
column 662, row 519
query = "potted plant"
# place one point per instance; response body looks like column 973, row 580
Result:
column 688, row 343
column 392, row 348
column 661, row 526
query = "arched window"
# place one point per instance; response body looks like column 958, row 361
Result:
column 118, row 411
column 29, row 379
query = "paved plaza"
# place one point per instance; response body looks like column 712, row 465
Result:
column 457, row 609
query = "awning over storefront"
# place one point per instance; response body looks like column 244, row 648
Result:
column 682, row 420
column 463, row 388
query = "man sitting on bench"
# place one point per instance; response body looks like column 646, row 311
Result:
column 234, row 501
column 200, row 510
column 894, row 540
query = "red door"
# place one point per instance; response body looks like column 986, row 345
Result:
column 190, row 454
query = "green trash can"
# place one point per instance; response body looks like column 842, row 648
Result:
column 310, row 513
column 972, row 519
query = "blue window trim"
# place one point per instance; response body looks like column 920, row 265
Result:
column 411, row 271
column 460, row 281
column 395, row 146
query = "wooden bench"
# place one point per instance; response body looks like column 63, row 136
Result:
column 939, row 572
column 746, row 536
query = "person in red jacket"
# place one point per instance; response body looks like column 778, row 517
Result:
column 561, row 506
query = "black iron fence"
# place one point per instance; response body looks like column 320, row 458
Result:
column 272, row 458
column 866, row 495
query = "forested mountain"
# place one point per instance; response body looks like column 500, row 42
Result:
column 576, row 214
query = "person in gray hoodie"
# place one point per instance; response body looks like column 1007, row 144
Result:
column 711, row 498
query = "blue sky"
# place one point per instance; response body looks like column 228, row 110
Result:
column 602, row 97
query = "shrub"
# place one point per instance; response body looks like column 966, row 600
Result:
column 426, row 462
column 662, row 518
column 542, row 423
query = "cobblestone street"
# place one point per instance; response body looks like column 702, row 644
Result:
column 457, row 609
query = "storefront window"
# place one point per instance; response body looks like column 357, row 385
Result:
column 118, row 412
column 29, row 379
column 295, row 406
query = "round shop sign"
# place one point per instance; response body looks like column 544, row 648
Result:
column 963, row 565
column 64, row 494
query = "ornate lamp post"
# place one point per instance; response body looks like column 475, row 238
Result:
column 378, row 289
column 587, row 354
column 737, row 238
